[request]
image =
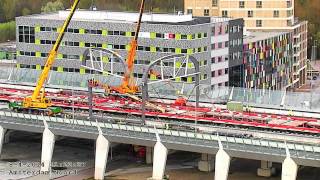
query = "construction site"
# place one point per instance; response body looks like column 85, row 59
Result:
column 167, row 104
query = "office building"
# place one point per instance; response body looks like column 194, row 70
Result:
column 209, row 40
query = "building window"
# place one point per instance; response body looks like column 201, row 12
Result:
column 44, row 54
column 214, row 3
column 259, row 4
column 189, row 11
column 219, row 72
column 289, row 23
column 289, row 4
column 159, row 35
column 220, row 30
column 70, row 43
column 250, row 13
column 213, row 46
column 241, row 4
column 213, row 30
column 226, row 71
column 93, row 45
column 110, row 33
column 213, row 74
column 219, row 59
column 26, row 34
column 213, row 60
column 47, row 42
column 70, row 30
column 65, row 56
column 206, row 12
column 26, row 53
column 224, row 13
column 220, row 45
column 276, row 13
column 289, row 13
column 184, row 36
column 88, row 31
column 48, row 29
column 258, row 23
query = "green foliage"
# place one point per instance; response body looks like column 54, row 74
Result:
column 26, row 11
column 9, row 11
column 302, row 2
column 52, row 7
column 1, row 11
column 84, row 4
column 7, row 31
column 309, row 10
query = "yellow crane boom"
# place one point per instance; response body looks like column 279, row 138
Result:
column 37, row 100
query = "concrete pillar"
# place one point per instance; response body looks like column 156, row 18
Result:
column 160, row 154
column 222, row 165
column 102, row 150
column 48, row 141
column 206, row 164
column 289, row 168
column 2, row 133
column 266, row 169
column 149, row 155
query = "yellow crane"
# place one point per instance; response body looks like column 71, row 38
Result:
column 38, row 100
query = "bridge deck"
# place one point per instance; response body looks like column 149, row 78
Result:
column 251, row 148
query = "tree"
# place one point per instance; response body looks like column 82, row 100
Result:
column 26, row 11
column 1, row 11
column 7, row 31
column 52, row 7
column 9, row 9
column 85, row 4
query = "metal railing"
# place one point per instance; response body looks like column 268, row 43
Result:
column 262, row 146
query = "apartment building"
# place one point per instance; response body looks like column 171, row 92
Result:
column 300, row 48
column 260, row 14
column 161, row 35
column 268, row 60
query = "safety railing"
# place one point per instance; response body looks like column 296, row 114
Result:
column 148, row 133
